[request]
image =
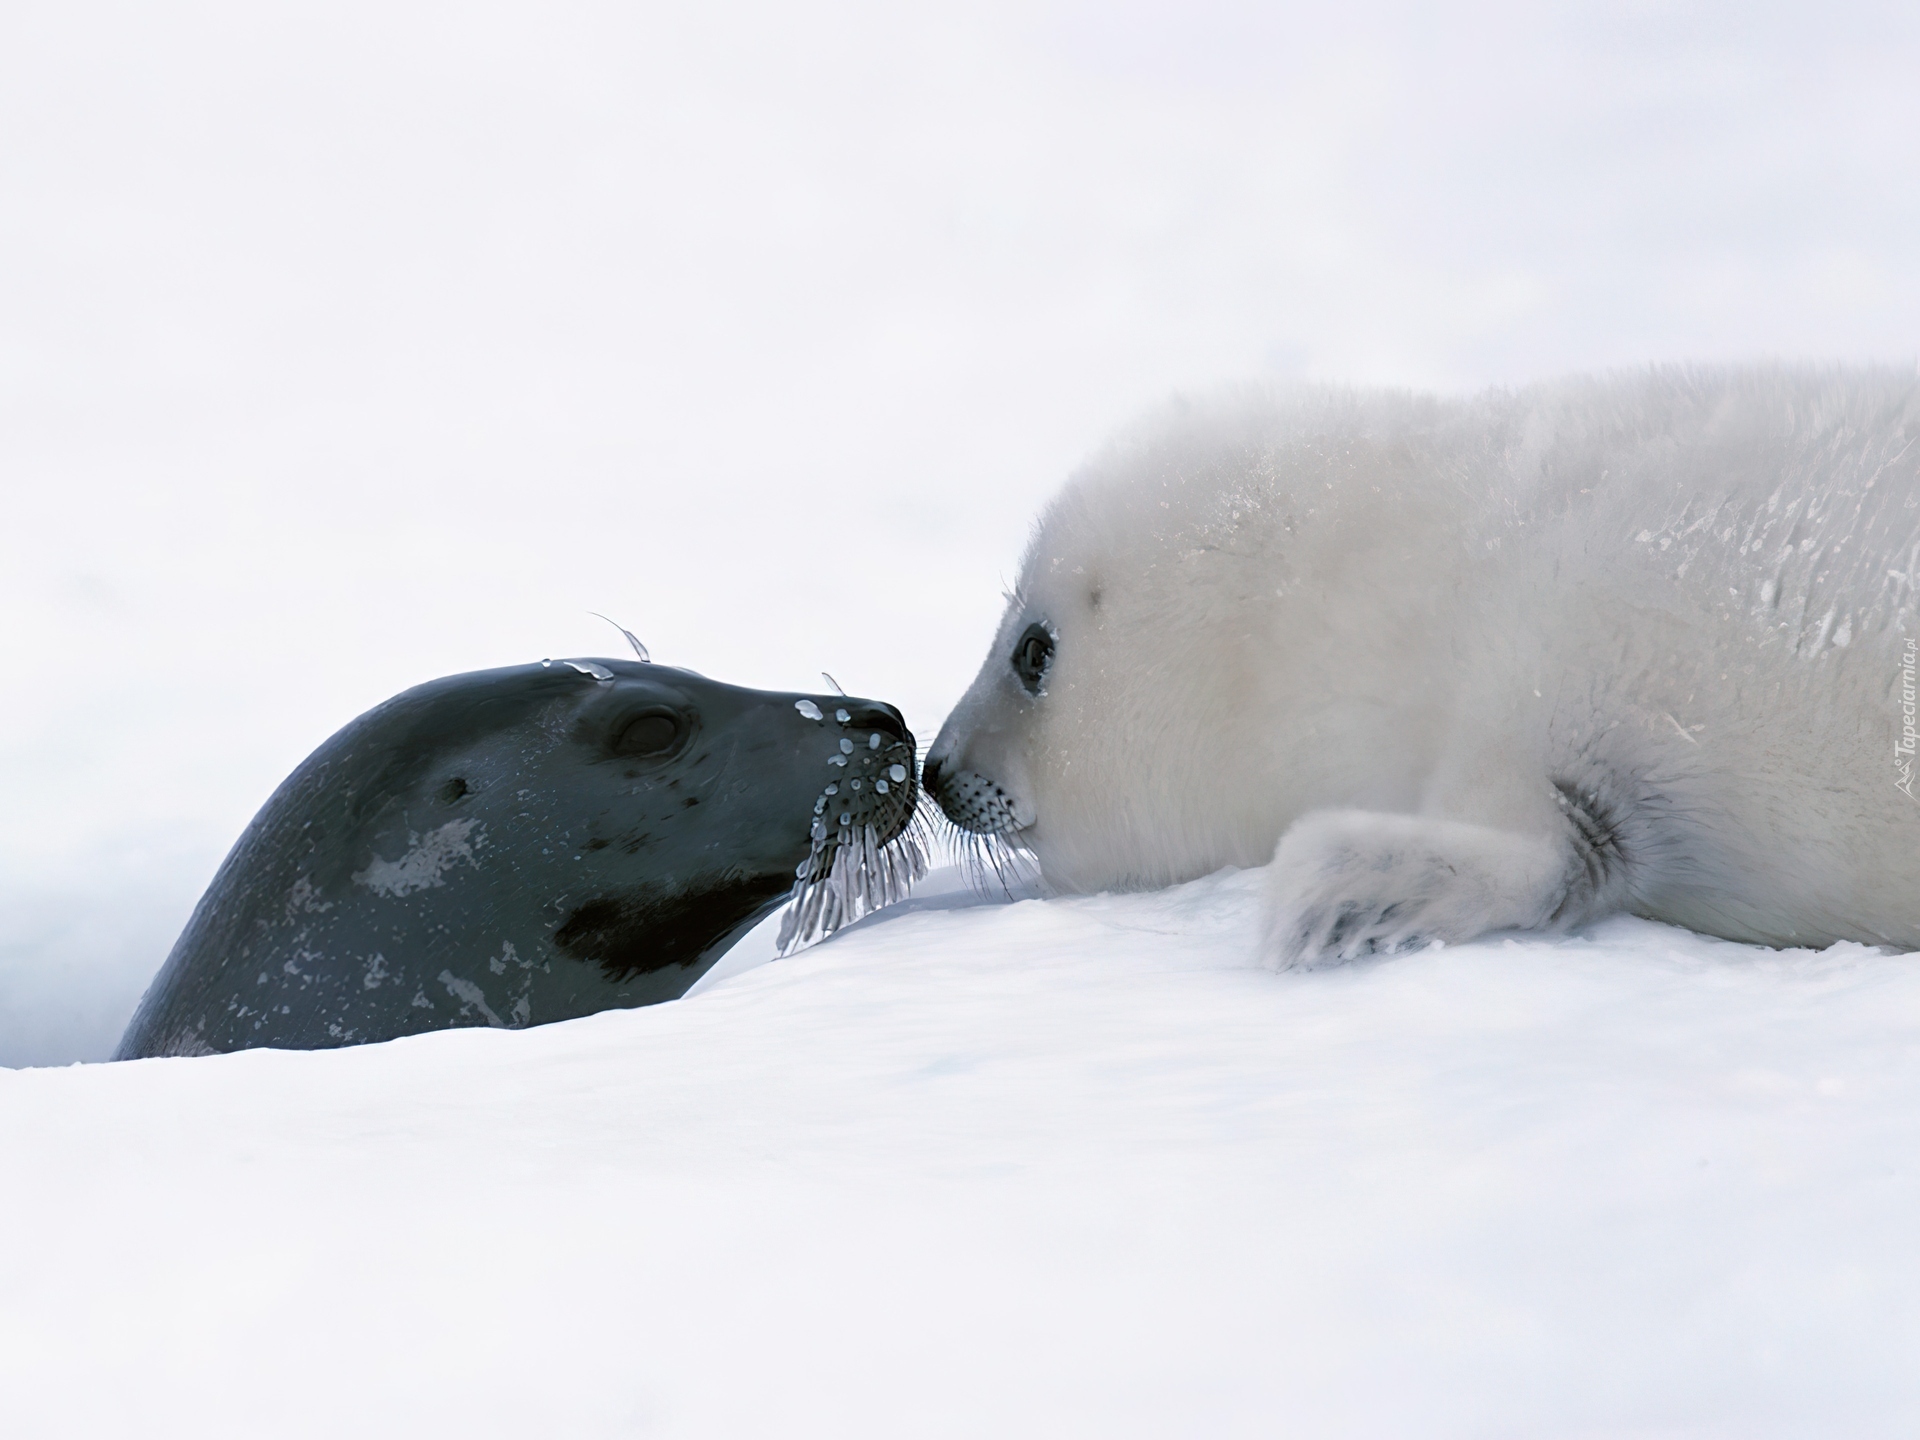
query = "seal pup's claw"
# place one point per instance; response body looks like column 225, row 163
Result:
column 1346, row 884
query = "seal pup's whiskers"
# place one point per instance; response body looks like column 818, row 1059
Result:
column 993, row 860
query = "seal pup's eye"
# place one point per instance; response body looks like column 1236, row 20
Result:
column 652, row 732
column 1032, row 654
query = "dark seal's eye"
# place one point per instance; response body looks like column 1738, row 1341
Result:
column 1032, row 654
column 653, row 732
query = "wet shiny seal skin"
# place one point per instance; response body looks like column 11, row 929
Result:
column 519, row 846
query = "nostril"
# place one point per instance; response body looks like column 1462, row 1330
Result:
column 930, row 775
column 867, row 715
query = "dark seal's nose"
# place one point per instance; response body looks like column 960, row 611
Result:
column 872, row 715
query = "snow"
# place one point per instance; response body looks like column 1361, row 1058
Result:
column 1051, row 1167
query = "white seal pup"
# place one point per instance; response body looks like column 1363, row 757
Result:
column 1643, row 643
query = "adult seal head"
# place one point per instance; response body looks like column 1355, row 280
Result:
column 1644, row 643
column 523, row 845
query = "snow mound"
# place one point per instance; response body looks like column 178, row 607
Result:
column 1047, row 1168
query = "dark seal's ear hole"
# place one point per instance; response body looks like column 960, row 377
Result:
column 454, row 789
column 652, row 732
column 1032, row 654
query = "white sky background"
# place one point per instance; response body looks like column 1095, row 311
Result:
column 347, row 345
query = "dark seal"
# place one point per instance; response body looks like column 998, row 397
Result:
column 518, row 846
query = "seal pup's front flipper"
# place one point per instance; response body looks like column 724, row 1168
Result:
column 1348, row 883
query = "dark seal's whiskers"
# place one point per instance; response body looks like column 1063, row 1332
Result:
column 845, row 879
column 870, row 840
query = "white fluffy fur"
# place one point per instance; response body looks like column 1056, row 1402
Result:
column 1513, row 661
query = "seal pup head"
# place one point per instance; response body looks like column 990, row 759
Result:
column 1103, row 732
column 1121, row 729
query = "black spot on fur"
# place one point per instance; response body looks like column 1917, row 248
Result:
column 1600, row 854
column 629, row 935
